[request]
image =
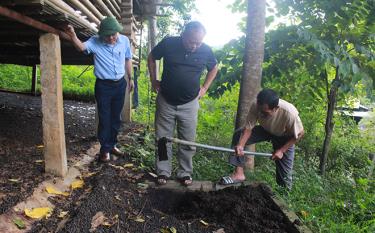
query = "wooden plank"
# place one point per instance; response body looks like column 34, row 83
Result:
column 52, row 105
column 126, row 114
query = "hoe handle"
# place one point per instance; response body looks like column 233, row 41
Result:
column 217, row 148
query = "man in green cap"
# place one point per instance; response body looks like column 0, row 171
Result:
column 112, row 69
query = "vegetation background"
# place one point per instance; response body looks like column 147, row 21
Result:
column 301, row 62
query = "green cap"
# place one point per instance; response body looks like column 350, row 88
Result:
column 109, row 26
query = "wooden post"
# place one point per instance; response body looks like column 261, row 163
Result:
column 52, row 105
column 34, row 80
column 126, row 114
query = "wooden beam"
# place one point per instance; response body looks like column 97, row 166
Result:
column 31, row 22
column 52, row 105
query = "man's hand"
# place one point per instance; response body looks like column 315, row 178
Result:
column 70, row 31
column 155, row 85
column 239, row 150
column 130, row 85
column 202, row 92
column 277, row 155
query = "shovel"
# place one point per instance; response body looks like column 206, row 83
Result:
column 162, row 148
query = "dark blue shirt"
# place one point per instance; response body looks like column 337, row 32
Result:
column 182, row 70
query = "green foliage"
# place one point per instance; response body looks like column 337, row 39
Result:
column 78, row 81
column 178, row 14
column 15, row 78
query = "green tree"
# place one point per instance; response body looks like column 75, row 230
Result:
column 342, row 33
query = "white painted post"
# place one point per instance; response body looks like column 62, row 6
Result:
column 52, row 105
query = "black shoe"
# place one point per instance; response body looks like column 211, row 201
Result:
column 117, row 151
column 104, row 157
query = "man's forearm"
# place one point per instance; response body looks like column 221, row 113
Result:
column 292, row 141
column 128, row 67
column 151, row 64
column 210, row 77
column 245, row 135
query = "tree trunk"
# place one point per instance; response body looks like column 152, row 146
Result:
column 253, row 59
column 252, row 65
column 332, row 99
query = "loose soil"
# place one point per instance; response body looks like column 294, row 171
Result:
column 120, row 195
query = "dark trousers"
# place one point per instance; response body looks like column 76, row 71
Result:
column 284, row 166
column 110, row 98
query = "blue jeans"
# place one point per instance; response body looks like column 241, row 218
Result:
column 110, row 98
column 284, row 166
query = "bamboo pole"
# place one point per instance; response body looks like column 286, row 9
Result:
column 112, row 8
column 115, row 4
column 88, row 13
column 104, row 8
column 58, row 4
column 93, row 9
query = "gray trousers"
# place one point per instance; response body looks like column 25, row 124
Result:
column 284, row 166
column 185, row 117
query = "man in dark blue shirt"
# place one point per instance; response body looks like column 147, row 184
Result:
column 184, row 59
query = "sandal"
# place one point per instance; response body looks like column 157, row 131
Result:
column 186, row 180
column 161, row 180
column 227, row 180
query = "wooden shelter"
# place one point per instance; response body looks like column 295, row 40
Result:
column 32, row 33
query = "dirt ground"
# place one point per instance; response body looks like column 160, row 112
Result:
column 117, row 198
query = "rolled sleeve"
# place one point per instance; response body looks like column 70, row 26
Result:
column 90, row 45
column 297, row 127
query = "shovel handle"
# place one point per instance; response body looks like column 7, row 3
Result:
column 217, row 148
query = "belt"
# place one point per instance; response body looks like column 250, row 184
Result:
column 110, row 80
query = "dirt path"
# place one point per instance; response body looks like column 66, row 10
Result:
column 118, row 196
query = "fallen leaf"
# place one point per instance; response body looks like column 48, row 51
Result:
column 139, row 219
column 19, row 223
column 127, row 165
column 97, row 220
column 153, row 174
column 52, row 190
column 172, row 230
column 142, row 185
column 14, row 180
column 118, row 197
column 221, row 230
column 77, row 164
column 164, row 230
column 38, row 212
column 40, row 146
column 90, row 174
column 117, row 167
column 107, row 224
column 304, row 213
column 203, row 222
column 39, row 161
column 63, row 214
column 77, row 184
